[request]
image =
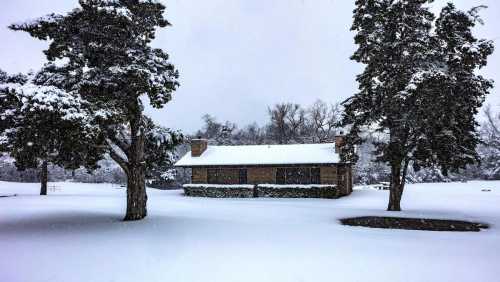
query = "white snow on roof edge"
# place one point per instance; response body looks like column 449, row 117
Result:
column 251, row 186
column 263, row 155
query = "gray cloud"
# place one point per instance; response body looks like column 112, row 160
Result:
column 237, row 57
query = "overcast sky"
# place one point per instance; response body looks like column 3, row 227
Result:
column 236, row 57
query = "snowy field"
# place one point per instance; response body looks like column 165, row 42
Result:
column 75, row 234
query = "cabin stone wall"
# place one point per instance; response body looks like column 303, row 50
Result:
column 320, row 191
column 220, row 192
column 328, row 174
column 339, row 174
column 199, row 175
column 344, row 179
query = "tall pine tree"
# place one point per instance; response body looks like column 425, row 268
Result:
column 419, row 88
column 104, row 55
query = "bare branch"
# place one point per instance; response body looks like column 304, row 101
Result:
column 119, row 157
column 119, row 160
column 119, row 142
column 491, row 121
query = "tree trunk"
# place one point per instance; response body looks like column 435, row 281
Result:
column 131, row 160
column 44, row 177
column 136, row 172
column 395, row 197
column 398, row 179
column 396, row 188
column 136, row 193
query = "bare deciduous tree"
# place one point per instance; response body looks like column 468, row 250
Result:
column 323, row 120
column 296, row 120
column 490, row 150
column 278, row 127
column 287, row 123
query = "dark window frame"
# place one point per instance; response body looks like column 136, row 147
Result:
column 315, row 175
column 212, row 175
column 298, row 175
column 243, row 178
column 220, row 176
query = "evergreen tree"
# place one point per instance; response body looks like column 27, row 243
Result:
column 42, row 124
column 419, row 86
column 104, row 54
column 159, row 153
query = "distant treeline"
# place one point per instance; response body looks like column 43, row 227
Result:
column 289, row 123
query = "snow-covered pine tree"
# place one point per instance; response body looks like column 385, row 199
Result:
column 419, row 86
column 159, row 152
column 41, row 124
column 452, row 93
column 104, row 52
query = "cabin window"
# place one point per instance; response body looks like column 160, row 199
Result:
column 243, row 176
column 280, row 175
column 298, row 175
column 226, row 176
column 315, row 175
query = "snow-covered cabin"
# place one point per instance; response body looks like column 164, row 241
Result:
column 269, row 164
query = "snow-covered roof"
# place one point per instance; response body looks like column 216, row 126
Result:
column 263, row 155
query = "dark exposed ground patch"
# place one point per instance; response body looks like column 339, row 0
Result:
column 414, row 223
column 6, row 196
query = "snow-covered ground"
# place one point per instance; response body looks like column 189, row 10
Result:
column 75, row 234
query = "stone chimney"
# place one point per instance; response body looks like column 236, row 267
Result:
column 339, row 142
column 198, row 146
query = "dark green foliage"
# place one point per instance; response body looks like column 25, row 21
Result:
column 419, row 89
column 159, row 152
column 112, row 65
column 109, row 63
column 39, row 124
